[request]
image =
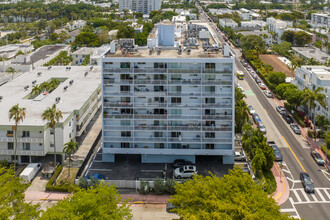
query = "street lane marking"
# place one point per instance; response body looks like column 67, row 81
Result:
column 287, row 210
column 314, row 197
column 297, row 196
column 325, row 174
column 320, row 194
column 292, row 203
column 305, row 195
column 294, row 181
column 287, row 171
column 295, row 156
column 326, row 192
column 266, row 111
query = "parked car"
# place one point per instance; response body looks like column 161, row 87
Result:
column 257, row 80
column 185, row 172
column 98, row 176
column 317, row 157
column 170, row 207
column 251, row 110
column 280, row 109
column 295, row 128
column 239, row 156
column 256, row 118
column 277, row 153
column 180, row 162
column 307, row 182
column 28, row 174
column 287, row 118
column 262, row 127
column 262, row 86
column 268, row 94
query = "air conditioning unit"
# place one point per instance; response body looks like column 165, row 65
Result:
column 49, row 67
column 34, row 82
column 57, row 100
column 65, row 88
column 86, row 73
column 26, row 87
column 39, row 74
column 71, row 82
column 1, row 97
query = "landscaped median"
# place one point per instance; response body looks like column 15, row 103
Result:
column 64, row 182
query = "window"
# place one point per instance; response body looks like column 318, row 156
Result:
column 160, row 111
column 210, row 135
column 176, row 88
column 40, row 144
column 210, row 123
column 209, row 111
column 125, row 99
column 26, row 134
column 158, row 134
column 158, row 88
column 159, row 77
column 51, row 131
column 70, row 135
column 210, row 65
column 69, row 123
column 176, row 100
column 176, row 77
column 210, row 77
column 159, row 145
column 209, row 146
column 10, row 133
column 125, row 123
column 126, row 111
column 176, row 111
column 26, row 146
column 209, row 100
column 10, row 145
column 175, row 134
column 126, row 134
column 125, row 88
column 125, row 76
column 210, row 89
column 125, row 65
column 124, row 145
column 159, row 99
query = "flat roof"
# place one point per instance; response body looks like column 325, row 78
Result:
column 321, row 72
column 172, row 51
column 85, row 50
column 46, row 51
column 311, row 52
column 72, row 99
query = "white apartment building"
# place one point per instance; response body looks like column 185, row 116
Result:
column 78, row 97
column 227, row 22
column 185, row 13
column 312, row 77
column 320, row 20
column 10, row 51
column 144, row 6
column 169, row 102
column 79, row 55
column 254, row 24
column 79, row 24
column 245, row 14
column 311, row 52
column 278, row 27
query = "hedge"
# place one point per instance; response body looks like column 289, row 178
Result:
column 298, row 119
column 58, row 188
column 324, row 149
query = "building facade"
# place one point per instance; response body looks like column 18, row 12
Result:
column 144, row 6
column 78, row 96
column 320, row 20
column 313, row 77
column 166, row 104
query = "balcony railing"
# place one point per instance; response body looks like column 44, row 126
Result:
column 23, row 152
column 22, row 139
column 163, row 70
column 165, row 139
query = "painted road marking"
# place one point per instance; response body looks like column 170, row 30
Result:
column 314, row 199
column 297, row 196
column 249, row 93
column 294, row 181
column 305, row 195
column 326, row 192
column 297, row 214
column 287, row 210
column 295, row 156
column 266, row 111
column 320, row 194
column 287, row 171
column 313, row 196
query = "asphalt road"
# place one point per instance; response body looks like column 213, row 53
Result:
column 297, row 158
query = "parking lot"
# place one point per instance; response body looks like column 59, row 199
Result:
column 129, row 167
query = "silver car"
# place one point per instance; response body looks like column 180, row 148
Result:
column 268, row 94
column 185, row 172
column 239, row 156
column 262, row 127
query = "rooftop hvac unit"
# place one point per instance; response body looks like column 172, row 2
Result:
column 49, row 67
column 71, row 82
column 57, row 100
column 86, row 73
column 65, row 88
column 39, row 74
column 34, row 82
column 68, row 67
column 151, row 50
column 91, row 67
column 26, row 87
column 159, row 50
column 1, row 97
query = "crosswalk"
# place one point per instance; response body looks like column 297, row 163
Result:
column 299, row 196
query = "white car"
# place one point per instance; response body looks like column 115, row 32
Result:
column 239, row 156
column 185, row 172
column 251, row 109
column 268, row 94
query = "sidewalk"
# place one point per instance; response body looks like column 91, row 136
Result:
column 138, row 198
column 282, row 192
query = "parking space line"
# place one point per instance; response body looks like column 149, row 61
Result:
column 100, row 170
column 152, row 171
column 295, row 156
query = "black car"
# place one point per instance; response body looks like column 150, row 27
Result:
column 307, row 182
column 180, row 162
column 277, row 153
column 287, row 118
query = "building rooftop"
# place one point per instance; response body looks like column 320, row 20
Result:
column 190, row 45
column 84, row 50
column 322, row 72
column 228, row 21
column 46, row 51
column 72, row 99
column 312, row 52
column 13, row 48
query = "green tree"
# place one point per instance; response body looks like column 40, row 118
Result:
column 126, row 32
column 235, row 196
column 322, row 122
column 276, row 78
column 19, row 53
column 12, row 203
column 87, row 39
column 283, row 48
column 281, row 88
column 99, row 202
column 169, row 15
column 252, row 42
column 70, row 148
column 288, row 36
column 17, row 114
column 86, row 60
column 53, row 116
column 311, row 97
column 36, row 90
column 301, row 38
column 11, row 71
column 294, row 97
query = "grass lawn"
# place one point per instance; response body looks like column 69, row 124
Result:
column 64, row 178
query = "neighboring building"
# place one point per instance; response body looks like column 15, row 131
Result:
column 278, row 27
column 245, row 14
column 227, row 22
column 79, row 55
column 254, row 24
column 179, row 18
column 264, row 34
column 320, row 20
column 169, row 102
column 78, row 97
column 72, row 36
column 98, row 54
column 312, row 77
column 220, row 11
column 144, row 6
column 311, row 52
column 10, row 51
column 186, row 13
column 79, row 24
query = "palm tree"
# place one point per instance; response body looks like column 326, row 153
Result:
column 70, row 147
column 241, row 109
column 310, row 97
column 36, row 90
column 53, row 116
column 12, row 71
column 18, row 114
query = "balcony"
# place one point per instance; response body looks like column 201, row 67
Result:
column 24, row 152
column 22, row 139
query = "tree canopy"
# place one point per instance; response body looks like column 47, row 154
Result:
column 252, row 42
column 100, row 202
column 87, row 39
column 235, row 196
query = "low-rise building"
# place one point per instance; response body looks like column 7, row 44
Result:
column 278, row 27
column 254, row 24
column 78, row 97
column 245, row 14
column 185, row 13
column 10, row 51
column 72, row 36
column 98, row 54
column 313, row 77
column 320, row 20
column 227, row 22
column 79, row 24
column 79, row 55
column 311, row 52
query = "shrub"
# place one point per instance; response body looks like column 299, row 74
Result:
column 59, row 187
column 83, row 183
column 169, row 186
column 159, row 186
column 288, row 106
column 298, row 119
column 310, row 133
column 307, row 122
column 301, row 114
column 324, row 149
column 4, row 163
column 144, row 187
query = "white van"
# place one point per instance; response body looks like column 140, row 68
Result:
column 30, row 172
